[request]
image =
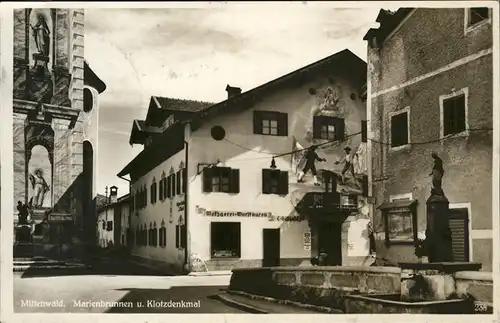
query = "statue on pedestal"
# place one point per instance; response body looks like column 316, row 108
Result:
column 41, row 33
column 40, row 187
column 437, row 175
column 23, row 213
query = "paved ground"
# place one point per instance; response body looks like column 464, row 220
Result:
column 76, row 294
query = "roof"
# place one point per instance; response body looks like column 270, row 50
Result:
column 344, row 60
column 397, row 204
column 120, row 200
column 90, row 78
column 389, row 21
column 181, row 104
column 140, row 131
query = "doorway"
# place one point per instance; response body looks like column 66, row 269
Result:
column 271, row 246
column 330, row 242
column 459, row 226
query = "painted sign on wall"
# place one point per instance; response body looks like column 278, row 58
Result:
column 307, row 241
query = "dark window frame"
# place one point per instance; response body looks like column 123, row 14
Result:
column 412, row 212
column 179, row 180
column 261, row 117
column 454, row 114
column 236, row 252
column 223, row 179
column 321, row 126
column 154, row 192
column 400, row 123
column 476, row 16
column 278, row 177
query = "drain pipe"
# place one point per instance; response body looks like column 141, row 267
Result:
column 185, row 182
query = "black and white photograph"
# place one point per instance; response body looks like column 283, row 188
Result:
column 229, row 158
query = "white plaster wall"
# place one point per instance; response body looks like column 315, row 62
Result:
column 299, row 104
column 106, row 215
column 158, row 212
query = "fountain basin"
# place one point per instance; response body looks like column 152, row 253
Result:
column 393, row 303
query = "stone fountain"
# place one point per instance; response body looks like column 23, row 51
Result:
column 426, row 287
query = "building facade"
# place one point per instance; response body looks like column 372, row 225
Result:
column 112, row 221
column 55, row 131
column 430, row 90
column 226, row 190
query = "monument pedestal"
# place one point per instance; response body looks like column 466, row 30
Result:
column 438, row 234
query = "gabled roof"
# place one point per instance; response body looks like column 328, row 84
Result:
column 140, row 131
column 389, row 21
column 172, row 104
column 344, row 61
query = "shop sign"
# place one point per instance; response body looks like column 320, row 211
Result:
column 294, row 218
column 205, row 212
column 307, row 241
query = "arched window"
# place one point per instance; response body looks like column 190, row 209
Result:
column 153, row 192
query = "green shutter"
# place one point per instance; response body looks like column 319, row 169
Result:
column 283, row 182
column 339, row 124
column 257, row 122
column 266, row 177
column 283, row 124
column 234, row 181
column 207, row 179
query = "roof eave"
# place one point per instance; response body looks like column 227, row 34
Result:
column 90, row 78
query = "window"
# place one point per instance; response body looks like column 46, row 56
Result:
column 270, row 123
column 454, row 113
column 329, row 182
column 180, row 236
column 163, row 235
column 123, row 239
column 225, row 239
column 109, row 226
column 477, row 15
column 184, row 180
column 153, row 192
column 328, row 128
column 137, row 236
column 171, row 186
column 400, row 128
column 179, row 181
column 274, row 182
column 154, row 234
column 162, row 187
column 364, row 131
column 221, row 179
column 103, row 225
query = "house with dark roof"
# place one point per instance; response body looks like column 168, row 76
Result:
column 430, row 90
column 113, row 220
column 233, row 184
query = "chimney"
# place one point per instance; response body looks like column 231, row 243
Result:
column 113, row 194
column 232, row 91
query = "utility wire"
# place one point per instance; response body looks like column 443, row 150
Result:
column 335, row 142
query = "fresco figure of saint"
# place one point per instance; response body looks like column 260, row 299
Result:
column 39, row 186
column 437, row 175
column 349, row 166
column 311, row 157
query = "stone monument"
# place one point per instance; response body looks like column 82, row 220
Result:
column 434, row 280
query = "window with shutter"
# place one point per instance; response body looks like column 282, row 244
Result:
column 172, row 179
column 399, row 129
column 266, row 179
column 183, row 233
column 328, row 128
column 234, row 181
column 283, row 183
column 459, row 227
column 169, row 186
column 270, row 123
column 184, row 180
column 161, row 190
column 179, row 179
column 207, row 179
column 177, row 236
column 454, row 115
column 364, row 131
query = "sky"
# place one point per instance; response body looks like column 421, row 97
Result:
column 194, row 53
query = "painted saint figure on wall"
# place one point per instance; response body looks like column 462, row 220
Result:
column 40, row 188
column 41, row 33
